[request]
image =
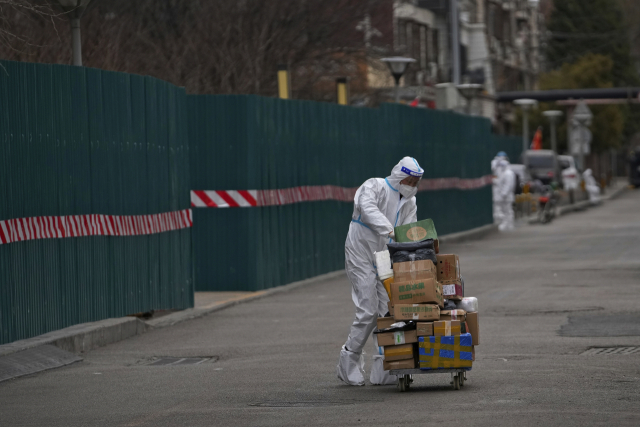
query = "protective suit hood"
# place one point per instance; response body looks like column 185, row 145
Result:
column 408, row 166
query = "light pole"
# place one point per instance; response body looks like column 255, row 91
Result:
column 469, row 91
column 526, row 105
column 74, row 10
column 398, row 66
column 582, row 119
column 553, row 116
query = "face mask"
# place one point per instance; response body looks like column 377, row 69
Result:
column 407, row 191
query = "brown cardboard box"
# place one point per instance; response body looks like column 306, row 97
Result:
column 397, row 338
column 446, row 328
column 416, row 312
column 474, row 327
column 417, row 292
column 390, row 307
column 424, row 329
column 448, row 267
column 385, row 322
column 414, row 270
column 398, row 352
column 399, row 364
column 452, row 289
column 453, row 315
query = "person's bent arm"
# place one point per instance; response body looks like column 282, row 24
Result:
column 371, row 215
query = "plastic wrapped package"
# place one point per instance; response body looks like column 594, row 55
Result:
column 468, row 304
column 410, row 246
column 383, row 265
column 418, row 255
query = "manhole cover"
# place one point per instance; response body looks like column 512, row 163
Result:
column 610, row 350
column 304, row 404
column 178, row 361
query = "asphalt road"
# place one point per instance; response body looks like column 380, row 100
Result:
column 538, row 288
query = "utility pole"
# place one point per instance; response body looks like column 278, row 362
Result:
column 455, row 41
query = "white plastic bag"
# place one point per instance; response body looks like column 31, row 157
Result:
column 469, row 304
column 383, row 265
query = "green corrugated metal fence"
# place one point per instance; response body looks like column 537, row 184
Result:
column 512, row 145
column 249, row 142
column 79, row 141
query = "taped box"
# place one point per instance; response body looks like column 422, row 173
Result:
column 452, row 289
column 445, row 352
column 424, row 329
column 390, row 307
column 414, row 270
column 417, row 232
column 397, row 338
column 416, row 312
column 458, row 314
column 446, row 328
column 385, row 322
column 398, row 352
column 417, row 292
column 448, row 267
column 474, row 327
column 399, row 364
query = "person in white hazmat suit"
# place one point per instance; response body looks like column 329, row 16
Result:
column 503, row 204
column 379, row 206
column 591, row 186
column 494, row 187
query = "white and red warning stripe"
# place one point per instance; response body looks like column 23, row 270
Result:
column 286, row 196
column 52, row 227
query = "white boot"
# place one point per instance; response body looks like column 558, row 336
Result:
column 378, row 375
column 350, row 367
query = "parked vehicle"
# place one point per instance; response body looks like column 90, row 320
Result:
column 570, row 176
column 542, row 165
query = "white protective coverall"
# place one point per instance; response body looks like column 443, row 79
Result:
column 591, row 186
column 506, row 186
column 378, row 208
column 494, row 184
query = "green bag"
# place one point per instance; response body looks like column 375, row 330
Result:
column 417, row 232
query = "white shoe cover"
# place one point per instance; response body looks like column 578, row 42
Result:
column 350, row 367
column 378, row 375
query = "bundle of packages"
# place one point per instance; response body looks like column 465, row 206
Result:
column 399, row 341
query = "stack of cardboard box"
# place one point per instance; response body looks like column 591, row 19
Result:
column 418, row 293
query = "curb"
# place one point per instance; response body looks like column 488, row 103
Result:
column 586, row 203
column 88, row 336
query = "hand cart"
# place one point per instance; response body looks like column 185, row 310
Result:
column 405, row 376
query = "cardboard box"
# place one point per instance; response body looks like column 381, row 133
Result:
column 424, row 329
column 452, row 289
column 417, row 292
column 399, row 364
column 390, row 307
column 417, row 232
column 474, row 327
column 445, row 352
column 398, row 352
column 397, row 338
column 385, row 322
column 448, row 267
column 416, row 312
column 446, row 328
column 414, row 270
column 453, row 315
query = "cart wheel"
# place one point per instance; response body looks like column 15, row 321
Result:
column 456, row 382
column 402, row 385
column 461, row 379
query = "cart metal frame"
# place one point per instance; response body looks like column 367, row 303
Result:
column 405, row 376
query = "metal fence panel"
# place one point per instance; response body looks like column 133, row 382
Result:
column 76, row 141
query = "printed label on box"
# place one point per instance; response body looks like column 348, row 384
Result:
column 449, row 289
column 399, row 337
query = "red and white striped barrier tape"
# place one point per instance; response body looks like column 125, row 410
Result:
column 51, row 227
column 253, row 198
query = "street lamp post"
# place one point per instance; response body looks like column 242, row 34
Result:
column 553, row 116
column 526, row 105
column 398, row 66
column 74, row 10
column 469, row 91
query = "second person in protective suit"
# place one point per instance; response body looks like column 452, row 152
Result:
column 380, row 205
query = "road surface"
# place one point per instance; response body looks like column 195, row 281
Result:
column 547, row 293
